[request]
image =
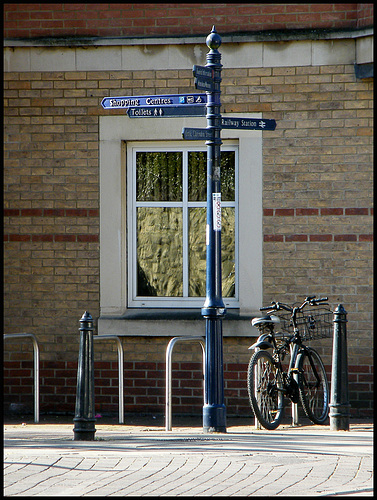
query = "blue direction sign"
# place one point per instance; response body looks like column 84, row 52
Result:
column 248, row 123
column 203, row 78
column 154, row 100
column 204, row 71
column 202, row 83
column 196, row 134
column 166, row 112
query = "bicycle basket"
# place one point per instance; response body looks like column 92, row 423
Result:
column 312, row 325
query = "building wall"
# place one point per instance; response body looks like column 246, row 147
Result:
column 98, row 19
column 317, row 214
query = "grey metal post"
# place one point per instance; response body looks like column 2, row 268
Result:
column 84, row 420
column 339, row 404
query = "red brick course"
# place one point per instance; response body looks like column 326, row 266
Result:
column 27, row 20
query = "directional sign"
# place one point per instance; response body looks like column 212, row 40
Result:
column 202, row 83
column 196, row 134
column 154, row 100
column 203, row 78
column 203, row 71
column 248, row 123
column 166, row 112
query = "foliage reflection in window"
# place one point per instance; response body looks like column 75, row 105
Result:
column 171, row 223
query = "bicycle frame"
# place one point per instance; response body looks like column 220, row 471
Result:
column 296, row 346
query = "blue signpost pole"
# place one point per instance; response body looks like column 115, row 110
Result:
column 213, row 310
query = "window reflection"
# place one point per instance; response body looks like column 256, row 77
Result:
column 197, row 175
column 159, row 252
column 159, row 176
column 197, row 255
column 161, row 229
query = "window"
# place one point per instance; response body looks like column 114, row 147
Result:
column 166, row 223
column 120, row 139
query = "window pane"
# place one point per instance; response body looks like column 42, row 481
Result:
column 197, row 252
column 197, row 176
column 159, row 252
column 228, row 251
column 159, row 176
column 227, row 175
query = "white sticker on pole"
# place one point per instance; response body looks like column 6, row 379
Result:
column 216, row 206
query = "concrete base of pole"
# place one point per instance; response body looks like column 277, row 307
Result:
column 214, row 418
column 84, row 429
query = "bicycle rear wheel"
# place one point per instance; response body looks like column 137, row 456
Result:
column 265, row 390
column 314, row 391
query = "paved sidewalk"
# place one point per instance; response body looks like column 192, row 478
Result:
column 125, row 460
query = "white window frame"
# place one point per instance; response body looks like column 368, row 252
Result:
column 114, row 134
column 184, row 146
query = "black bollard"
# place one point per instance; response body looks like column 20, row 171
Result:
column 339, row 401
column 84, row 420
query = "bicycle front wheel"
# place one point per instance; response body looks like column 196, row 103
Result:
column 265, row 390
column 313, row 386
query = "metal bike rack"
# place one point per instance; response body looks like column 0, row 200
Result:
column 36, row 368
column 169, row 352
column 120, row 371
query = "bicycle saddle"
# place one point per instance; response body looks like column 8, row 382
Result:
column 269, row 319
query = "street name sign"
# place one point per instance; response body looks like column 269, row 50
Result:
column 154, row 100
column 195, row 134
column 202, row 83
column 204, row 71
column 203, row 78
column 166, row 112
column 248, row 123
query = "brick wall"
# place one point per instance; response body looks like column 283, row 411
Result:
column 26, row 20
column 317, row 204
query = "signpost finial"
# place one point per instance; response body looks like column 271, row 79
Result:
column 213, row 40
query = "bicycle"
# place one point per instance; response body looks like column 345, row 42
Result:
column 305, row 378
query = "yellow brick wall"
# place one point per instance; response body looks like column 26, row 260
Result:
column 317, row 224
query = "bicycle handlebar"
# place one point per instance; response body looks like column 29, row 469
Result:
column 311, row 300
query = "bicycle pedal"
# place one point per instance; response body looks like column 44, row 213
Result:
column 295, row 370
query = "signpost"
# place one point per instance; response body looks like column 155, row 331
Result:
column 207, row 78
column 213, row 310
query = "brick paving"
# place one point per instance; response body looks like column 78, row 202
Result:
column 131, row 460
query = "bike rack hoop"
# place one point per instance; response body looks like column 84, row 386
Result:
column 169, row 352
column 36, row 367
column 120, row 371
